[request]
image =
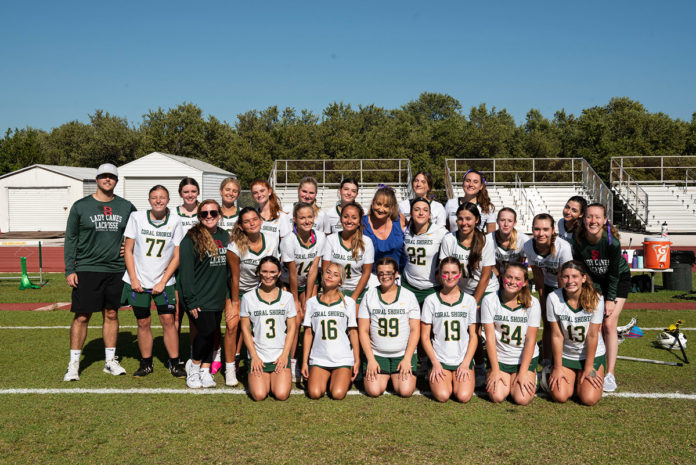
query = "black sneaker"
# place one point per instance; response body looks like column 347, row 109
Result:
column 177, row 370
column 144, row 370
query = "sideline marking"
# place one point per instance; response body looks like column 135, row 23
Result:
column 186, row 326
column 228, row 391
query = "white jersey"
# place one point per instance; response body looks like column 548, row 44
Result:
column 280, row 227
column 510, row 326
column 319, row 218
column 292, row 250
column 423, row 251
column 154, row 246
column 268, row 322
column 249, row 261
column 575, row 325
column 187, row 222
column 549, row 264
column 331, row 345
column 332, row 220
column 451, row 210
column 450, row 326
column 437, row 211
column 451, row 247
column 512, row 255
column 389, row 323
column 229, row 222
column 336, row 252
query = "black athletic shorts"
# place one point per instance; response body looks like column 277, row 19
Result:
column 97, row 291
column 623, row 287
column 144, row 312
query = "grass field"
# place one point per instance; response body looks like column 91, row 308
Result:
column 178, row 427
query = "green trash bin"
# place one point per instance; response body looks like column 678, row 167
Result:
column 680, row 279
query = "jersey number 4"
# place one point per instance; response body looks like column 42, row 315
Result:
column 152, row 243
column 506, row 337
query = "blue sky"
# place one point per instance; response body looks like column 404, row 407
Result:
column 60, row 61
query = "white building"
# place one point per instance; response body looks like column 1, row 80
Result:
column 135, row 179
column 39, row 197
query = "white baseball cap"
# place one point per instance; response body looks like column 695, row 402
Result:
column 107, row 168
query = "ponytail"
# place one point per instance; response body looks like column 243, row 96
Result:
column 477, row 242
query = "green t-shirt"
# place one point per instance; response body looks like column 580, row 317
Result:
column 204, row 282
column 94, row 234
column 604, row 261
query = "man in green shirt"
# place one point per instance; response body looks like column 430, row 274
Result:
column 94, row 266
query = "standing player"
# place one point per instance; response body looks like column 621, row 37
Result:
column 575, row 314
column 188, row 214
column 307, row 193
column 389, row 327
column 511, row 321
column 509, row 243
column 275, row 220
column 152, row 257
column 94, row 267
column 475, row 192
column 247, row 246
column 573, row 213
column 347, row 192
column 422, row 246
column 546, row 254
column 422, row 186
column 203, row 274
column 352, row 250
column 330, row 349
column 268, row 319
column 301, row 253
column 597, row 244
column 448, row 336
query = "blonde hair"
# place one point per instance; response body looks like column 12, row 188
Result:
column 589, row 297
column 524, row 296
column 357, row 244
column 388, row 194
column 203, row 241
column 513, row 233
column 273, row 201
column 341, row 274
column 227, row 181
column 238, row 236
column 312, row 181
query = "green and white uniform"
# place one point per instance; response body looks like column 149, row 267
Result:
column 423, row 251
column 154, row 246
column 330, row 323
column 510, row 326
column 336, row 252
column 280, row 227
column 292, row 250
column 575, row 325
column 332, row 220
column 204, row 282
column 549, row 264
column 268, row 322
column 437, row 211
column 249, row 261
column 319, row 218
column 514, row 254
column 187, row 222
column 452, row 206
column 451, row 247
column 389, row 323
column 450, row 326
column 94, row 233
column 229, row 222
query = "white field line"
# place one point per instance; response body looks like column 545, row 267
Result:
column 184, row 327
column 227, row 391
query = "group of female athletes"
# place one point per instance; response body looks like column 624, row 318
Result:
column 410, row 288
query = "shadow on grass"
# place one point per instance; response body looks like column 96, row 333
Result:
column 93, row 351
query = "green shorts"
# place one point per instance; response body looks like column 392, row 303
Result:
column 455, row 367
column 271, row 366
column 331, row 368
column 600, row 361
column 347, row 293
column 421, row 294
column 143, row 299
column 389, row 365
column 504, row 367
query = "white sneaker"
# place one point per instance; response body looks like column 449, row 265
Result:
column 609, row 383
column 293, row 369
column 193, row 375
column 114, row 368
column 231, row 377
column 207, row 380
column 73, row 373
column 187, row 366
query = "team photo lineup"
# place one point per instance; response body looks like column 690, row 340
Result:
column 333, row 297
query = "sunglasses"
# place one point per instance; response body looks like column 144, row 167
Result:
column 208, row 213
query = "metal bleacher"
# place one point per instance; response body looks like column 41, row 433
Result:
column 657, row 190
column 370, row 173
column 531, row 186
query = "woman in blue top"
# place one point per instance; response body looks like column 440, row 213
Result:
column 382, row 225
